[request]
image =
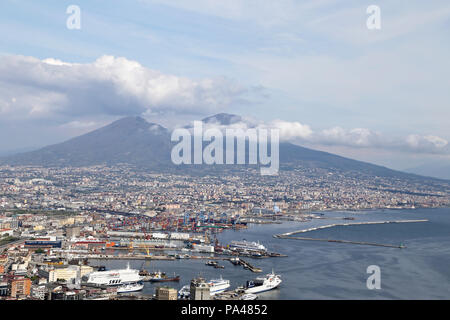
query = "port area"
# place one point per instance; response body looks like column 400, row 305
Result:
column 291, row 235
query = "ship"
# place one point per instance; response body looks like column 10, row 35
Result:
column 261, row 284
column 184, row 292
column 162, row 277
column 218, row 285
column 130, row 287
column 125, row 280
column 247, row 246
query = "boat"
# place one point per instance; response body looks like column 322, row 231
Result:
column 211, row 263
column 218, row 285
column 261, row 284
column 236, row 261
column 248, row 246
column 219, row 266
column 130, row 287
column 113, row 278
column 162, row 277
column 249, row 296
column 184, row 292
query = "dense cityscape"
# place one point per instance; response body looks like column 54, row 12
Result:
column 53, row 220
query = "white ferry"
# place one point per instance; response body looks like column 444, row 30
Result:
column 126, row 280
column 261, row 284
column 246, row 245
column 218, row 285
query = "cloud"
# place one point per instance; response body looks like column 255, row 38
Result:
column 356, row 138
column 115, row 86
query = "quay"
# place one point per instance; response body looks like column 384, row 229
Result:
column 248, row 266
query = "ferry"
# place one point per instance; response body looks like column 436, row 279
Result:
column 130, row 287
column 261, row 284
column 218, row 285
column 246, row 245
column 125, row 280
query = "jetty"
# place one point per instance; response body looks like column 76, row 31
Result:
column 247, row 265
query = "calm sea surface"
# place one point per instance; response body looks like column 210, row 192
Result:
column 323, row 270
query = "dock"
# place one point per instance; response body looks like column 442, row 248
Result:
column 248, row 266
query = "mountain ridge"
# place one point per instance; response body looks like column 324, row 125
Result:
column 133, row 140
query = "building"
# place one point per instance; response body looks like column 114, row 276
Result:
column 73, row 232
column 20, row 287
column 38, row 292
column 199, row 289
column 66, row 273
column 4, row 289
column 166, row 293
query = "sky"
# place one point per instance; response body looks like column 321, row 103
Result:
column 311, row 68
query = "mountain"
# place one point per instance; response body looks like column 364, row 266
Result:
column 134, row 141
column 129, row 140
column 224, row 119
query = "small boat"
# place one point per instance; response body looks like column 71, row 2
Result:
column 211, row 263
column 249, row 296
column 236, row 261
column 219, row 266
column 130, row 287
column 184, row 292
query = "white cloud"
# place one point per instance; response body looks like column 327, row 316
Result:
column 355, row 138
column 31, row 88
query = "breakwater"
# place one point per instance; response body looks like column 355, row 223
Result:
column 290, row 235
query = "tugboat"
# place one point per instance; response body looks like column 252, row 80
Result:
column 162, row 277
column 236, row 261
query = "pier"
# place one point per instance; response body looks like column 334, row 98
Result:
column 248, row 266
